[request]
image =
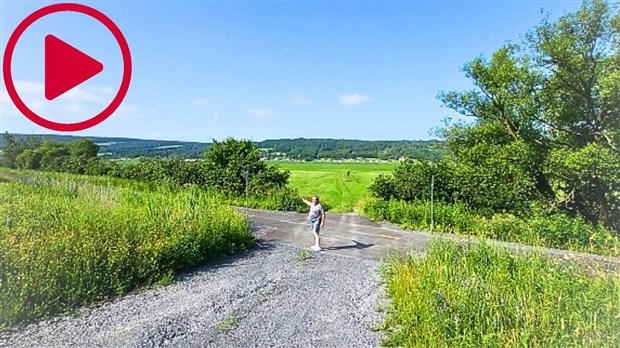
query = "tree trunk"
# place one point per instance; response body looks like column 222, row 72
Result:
column 601, row 204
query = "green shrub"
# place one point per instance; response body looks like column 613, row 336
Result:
column 555, row 231
column 281, row 199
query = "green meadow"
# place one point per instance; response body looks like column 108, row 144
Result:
column 343, row 187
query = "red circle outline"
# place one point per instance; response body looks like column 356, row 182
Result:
column 8, row 56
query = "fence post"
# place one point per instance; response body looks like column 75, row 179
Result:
column 246, row 175
column 432, row 202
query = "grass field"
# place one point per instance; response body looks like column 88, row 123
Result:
column 98, row 237
column 341, row 186
column 482, row 297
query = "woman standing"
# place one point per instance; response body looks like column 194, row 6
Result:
column 317, row 220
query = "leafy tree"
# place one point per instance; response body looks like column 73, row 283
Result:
column 83, row 148
column 226, row 162
column 12, row 149
column 28, row 159
column 53, row 156
column 411, row 181
column 547, row 112
column 491, row 171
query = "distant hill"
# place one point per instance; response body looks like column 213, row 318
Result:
column 296, row 149
column 133, row 148
column 310, row 149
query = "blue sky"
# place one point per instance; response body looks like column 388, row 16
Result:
column 267, row 69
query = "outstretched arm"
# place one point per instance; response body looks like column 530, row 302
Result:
column 307, row 202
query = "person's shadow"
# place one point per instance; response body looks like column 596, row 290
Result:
column 355, row 245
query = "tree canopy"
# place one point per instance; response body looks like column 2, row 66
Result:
column 546, row 123
column 547, row 115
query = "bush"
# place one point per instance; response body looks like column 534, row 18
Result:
column 555, row 231
column 225, row 164
column 411, row 181
column 280, row 199
column 383, row 187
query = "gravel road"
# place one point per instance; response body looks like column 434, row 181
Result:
column 269, row 296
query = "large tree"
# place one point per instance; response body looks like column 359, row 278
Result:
column 226, row 162
column 555, row 98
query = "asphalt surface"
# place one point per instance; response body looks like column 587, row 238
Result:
column 278, row 294
column 355, row 236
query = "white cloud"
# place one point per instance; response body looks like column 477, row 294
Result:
column 75, row 105
column 301, row 101
column 128, row 108
column 128, row 112
column 33, row 90
column 78, row 96
column 260, row 113
column 6, row 106
column 201, row 101
column 354, row 99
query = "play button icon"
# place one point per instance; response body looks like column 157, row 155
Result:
column 66, row 67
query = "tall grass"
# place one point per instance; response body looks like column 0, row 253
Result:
column 555, row 231
column 483, row 297
column 65, row 242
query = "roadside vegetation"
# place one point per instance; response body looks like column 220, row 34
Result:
column 479, row 296
column 221, row 171
column 66, row 241
column 540, row 163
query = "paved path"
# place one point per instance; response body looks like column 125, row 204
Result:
column 356, row 236
column 271, row 296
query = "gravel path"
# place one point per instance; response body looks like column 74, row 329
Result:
column 268, row 297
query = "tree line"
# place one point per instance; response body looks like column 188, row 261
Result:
column 296, row 149
column 223, row 167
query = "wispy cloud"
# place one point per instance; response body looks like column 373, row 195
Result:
column 77, row 104
column 354, row 99
column 201, row 101
column 128, row 108
column 260, row 113
column 301, row 101
column 131, row 112
column 216, row 115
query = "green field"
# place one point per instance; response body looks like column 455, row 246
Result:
column 341, row 186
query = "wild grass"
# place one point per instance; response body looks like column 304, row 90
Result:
column 67, row 241
column 484, row 297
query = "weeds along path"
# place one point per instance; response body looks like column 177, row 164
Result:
column 272, row 296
